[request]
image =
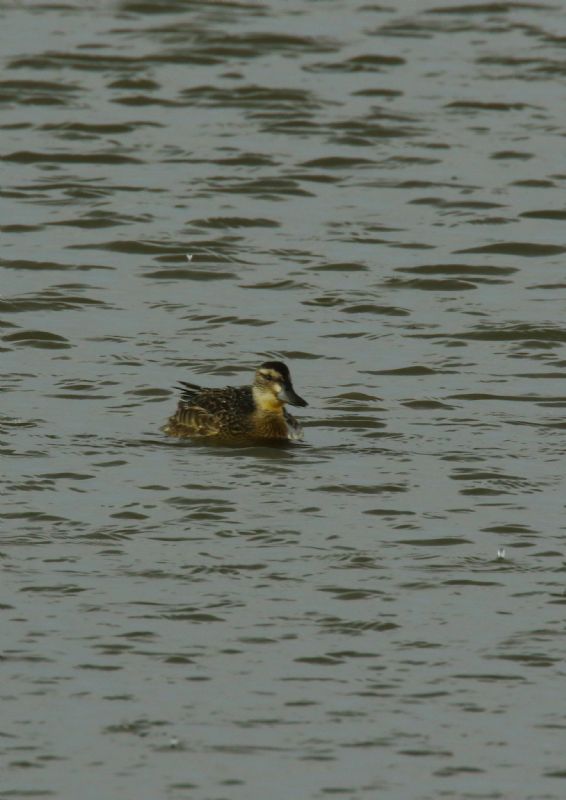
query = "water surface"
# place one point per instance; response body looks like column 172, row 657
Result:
column 373, row 194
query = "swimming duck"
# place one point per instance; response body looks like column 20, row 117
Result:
column 240, row 412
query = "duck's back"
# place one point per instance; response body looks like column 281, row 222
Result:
column 213, row 412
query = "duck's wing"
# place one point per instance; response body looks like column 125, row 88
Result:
column 211, row 412
column 194, row 420
column 189, row 391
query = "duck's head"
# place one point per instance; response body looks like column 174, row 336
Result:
column 273, row 388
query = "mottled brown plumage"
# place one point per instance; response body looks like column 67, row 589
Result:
column 240, row 413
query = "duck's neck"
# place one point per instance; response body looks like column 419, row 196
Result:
column 267, row 401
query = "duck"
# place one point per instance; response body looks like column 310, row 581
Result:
column 240, row 413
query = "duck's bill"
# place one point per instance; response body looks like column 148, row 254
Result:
column 289, row 395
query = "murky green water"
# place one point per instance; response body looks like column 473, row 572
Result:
column 374, row 194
